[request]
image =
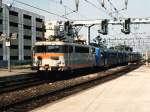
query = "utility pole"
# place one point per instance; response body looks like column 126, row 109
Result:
column 8, row 52
column 8, row 37
column 89, row 34
column 7, row 40
column 8, row 44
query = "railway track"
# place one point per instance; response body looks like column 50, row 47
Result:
column 28, row 99
column 13, row 83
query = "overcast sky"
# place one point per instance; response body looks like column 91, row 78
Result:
column 136, row 8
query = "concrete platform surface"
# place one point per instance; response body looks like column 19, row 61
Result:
column 5, row 73
column 128, row 93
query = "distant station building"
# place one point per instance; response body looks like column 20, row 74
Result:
column 59, row 30
column 28, row 26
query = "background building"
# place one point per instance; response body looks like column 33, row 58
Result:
column 28, row 26
column 61, row 30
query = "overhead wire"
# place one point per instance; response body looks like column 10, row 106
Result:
column 32, row 7
column 65, row 6
column 102, row 3
column 73, row 11
column 116, row 10
column 101, row 9
column 52, row 13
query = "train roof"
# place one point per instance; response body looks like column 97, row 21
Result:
column 59, row 43
column 114, row 51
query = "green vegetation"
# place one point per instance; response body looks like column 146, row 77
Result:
column 99, row 42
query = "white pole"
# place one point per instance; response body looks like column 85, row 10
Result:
column 146, row 57
column 9, row 67
column 8, row 41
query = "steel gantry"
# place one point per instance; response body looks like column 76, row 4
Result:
column 113, row 22
column 125, row 22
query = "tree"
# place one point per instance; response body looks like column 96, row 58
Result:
column 99, row 42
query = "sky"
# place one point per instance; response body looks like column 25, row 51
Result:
column 135, row 8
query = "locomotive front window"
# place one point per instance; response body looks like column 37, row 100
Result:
column 53, row 48
column 40, row 49
column 48, row 48
column 81, row 49
column 66, row 49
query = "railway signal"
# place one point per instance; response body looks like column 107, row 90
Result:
column 126, row 26
column 126, row 22
column 104, row 27
column 68, row 28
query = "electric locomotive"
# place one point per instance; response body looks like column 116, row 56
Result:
column 62, row 56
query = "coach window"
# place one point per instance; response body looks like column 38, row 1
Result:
column 1, row 45
column 70, row 49
column 52, row 48
column 40, row 49
column 67, row 49
column 79, row 49
column 1, row 21
column 1, row 57
column 93, row 50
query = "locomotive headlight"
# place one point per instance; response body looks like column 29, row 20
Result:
column 54, row 57
column 62, row 64
column 34, row 61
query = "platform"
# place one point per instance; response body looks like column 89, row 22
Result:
column 15, row 71
column 128, row 93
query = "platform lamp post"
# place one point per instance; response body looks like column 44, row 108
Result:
column 7, row 39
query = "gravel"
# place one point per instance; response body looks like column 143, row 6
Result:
column 35, row 91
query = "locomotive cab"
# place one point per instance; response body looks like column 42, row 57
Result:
column 48, row 57
column 62, row 56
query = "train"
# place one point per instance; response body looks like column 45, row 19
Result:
column 63, row 56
